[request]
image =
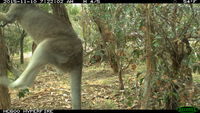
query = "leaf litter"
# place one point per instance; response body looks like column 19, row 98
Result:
column 99, row 91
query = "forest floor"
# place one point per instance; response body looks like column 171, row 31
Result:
column 100, row 90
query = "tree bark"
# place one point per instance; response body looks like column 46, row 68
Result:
column 84, row 29
column 121, row 83
column 4, row 93
column 61, row 12
column 109, row 43
column 150, row 62
column 23, row 34
column 34, row 45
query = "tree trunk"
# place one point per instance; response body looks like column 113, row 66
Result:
column 150, row 62
column 109, row 43
column 180, row 73
column 61, row 12
column 23, row 34
column 34, row 45
column 172, row 97
column 84, row 29
column 4, row 95
column 121, row 83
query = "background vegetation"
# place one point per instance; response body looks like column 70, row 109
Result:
column 136, row 56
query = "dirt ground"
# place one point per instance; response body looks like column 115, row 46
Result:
column 100, row 90
column 51, row 90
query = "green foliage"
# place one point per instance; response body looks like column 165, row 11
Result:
column 13, row 39
column 196, row 68
column 170, row 23
column 4, row 7
column 23, row 92
column 45, row 7
column 75, row 17
column 73, row 10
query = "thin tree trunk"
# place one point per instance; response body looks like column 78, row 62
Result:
column 61, row 12
column 121, row 83
column 4, row 95
column 34, row 45
column 23, row 34
column 109, row 43
column 150, row 62
column 84, row 29
column 21, row 51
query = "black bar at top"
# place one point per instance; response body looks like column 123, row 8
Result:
column 99, row 1
column 131, row 1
